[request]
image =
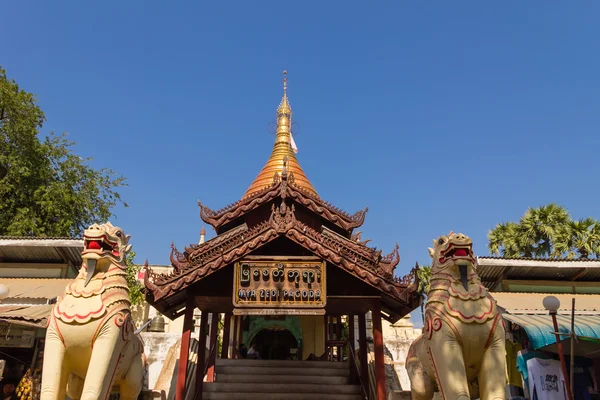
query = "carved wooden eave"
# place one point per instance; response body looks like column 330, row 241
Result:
column 355, row 258
column 179, row 260
column 283, row 186
column 389, row 262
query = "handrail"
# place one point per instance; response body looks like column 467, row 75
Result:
column 210, row 354
column 352, row 358
column 198, row 388
column 141, row 328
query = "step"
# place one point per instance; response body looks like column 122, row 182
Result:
column 283, row 388
column 251, row 378
column 254, row 370
column 282, row 363
column 276, row 396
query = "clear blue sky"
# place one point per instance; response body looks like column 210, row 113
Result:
column 436, row 115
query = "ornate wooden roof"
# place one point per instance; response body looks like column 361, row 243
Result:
column 246, row 225
column 200, row 261
column 283, row 185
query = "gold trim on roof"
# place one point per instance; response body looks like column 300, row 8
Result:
column 281, row 149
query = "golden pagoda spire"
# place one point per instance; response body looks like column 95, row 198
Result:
column 282, row 149
column 284, row 107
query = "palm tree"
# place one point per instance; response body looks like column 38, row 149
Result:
column 596, row 234
column 535, row 235
column 540, row 227
column 579, row 238
column 503, row 240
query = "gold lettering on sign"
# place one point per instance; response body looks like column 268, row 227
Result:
column 279, row 284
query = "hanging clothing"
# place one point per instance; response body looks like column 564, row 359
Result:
column 522, row 357
column 514, row 376
column 546, row 380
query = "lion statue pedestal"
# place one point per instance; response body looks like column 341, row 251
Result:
column 90, row 341
column 460, row 354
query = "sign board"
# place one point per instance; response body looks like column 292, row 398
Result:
column 279, row 284
column 15, row 336
column 278, row 311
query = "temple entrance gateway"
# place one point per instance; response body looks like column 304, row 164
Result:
column 285, row 269
column 276, row 343
column 256, row 324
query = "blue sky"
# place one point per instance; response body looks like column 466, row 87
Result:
column 436, row 115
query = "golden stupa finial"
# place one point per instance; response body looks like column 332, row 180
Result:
column 284, row 107
column 283, row 157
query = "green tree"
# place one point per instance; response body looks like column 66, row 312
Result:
column 539, row 229
column 45, row 189
column 546, row 231
column 424, row 277
column 136, row 289
column 579, row 238
column 503, row 239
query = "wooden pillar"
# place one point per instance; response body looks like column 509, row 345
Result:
column 241, row 332
column 331, row 336
column 325, row 333
column 330, row 328
column 200, row 363
column 188, row 323
column 235, row 344
column 351, row 347
column 362, row 343
column 225, row 344
column 351, row 338
column 212, row 357
column 338, row 335
column 378, row 346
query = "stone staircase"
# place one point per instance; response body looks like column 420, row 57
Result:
column 285, row 380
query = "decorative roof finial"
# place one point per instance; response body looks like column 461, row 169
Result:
column 284, row 108
column 283, row 157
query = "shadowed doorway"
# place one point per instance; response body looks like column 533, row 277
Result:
column 276, row 343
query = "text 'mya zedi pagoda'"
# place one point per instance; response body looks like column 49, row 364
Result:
column 285, row 269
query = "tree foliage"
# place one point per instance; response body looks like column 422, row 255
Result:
column 45, row 189
column 546, row 231
column 424, row 277
column 136, row 289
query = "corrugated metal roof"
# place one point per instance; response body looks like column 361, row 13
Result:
column 531, row 303
column 540, row 259
column 491, row 269
column 47, row 250
column 36, row 316
column 538, row 262
column 539, row 328
column 34, row 288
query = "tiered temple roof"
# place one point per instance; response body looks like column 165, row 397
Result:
column 282, row 202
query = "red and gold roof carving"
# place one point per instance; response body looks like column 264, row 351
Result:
column 199, row 261
column 285, row 187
